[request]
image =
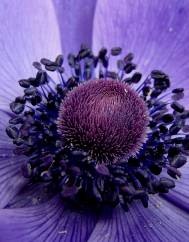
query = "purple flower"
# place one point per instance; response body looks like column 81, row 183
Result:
column 157, row 33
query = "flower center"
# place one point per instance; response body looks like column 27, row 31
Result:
column 99, row 139
column 105, row 118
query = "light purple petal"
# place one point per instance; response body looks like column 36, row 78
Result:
column 49, row 222
column 160, row 222
column 155, row 31
column 28, row 32
column 75, row 20
column 11, row 179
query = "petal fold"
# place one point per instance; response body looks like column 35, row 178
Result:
column 75, row 20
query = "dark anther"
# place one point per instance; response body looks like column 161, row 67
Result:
column 102, row 53
column 155, row 169
column 59, row 60
column 163, row 129
column 156, row 74
column 71, row 60
column 179, row 161
column 129, row 57
column 178, row 90
column 46, row 62
column 24, row 83
column 17, row 120
column 41, row 77
column 156, row 93
column 83, row 53
column 20, row 100
column 173, row 151
column 34, row 82
column 72, row 82
column 36, row 99
column 185, row 115
column 37, row 65
column 129, row 68
column 16, row 107
column 116, row 51
column 178, row 96
column 174, row 129
column 177, row 107
column 77, row 68
column 186, row 142
column 111, row 74
column 30, row 91
column 12, row 132
column 136, row 77
column 146, row 90
column 61, row 90
column 60, row 69
column 166, row 183
column 105, row 62
column 168, row 118
column 51, row 68
column 173, row 172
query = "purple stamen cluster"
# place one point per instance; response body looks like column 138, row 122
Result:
column 100, row 138
column 105, row 118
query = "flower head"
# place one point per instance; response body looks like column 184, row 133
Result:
column 46, row 164
column 106, row 118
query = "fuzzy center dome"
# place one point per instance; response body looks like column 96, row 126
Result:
column 105, row 118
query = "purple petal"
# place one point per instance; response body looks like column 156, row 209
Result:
column 28, row 33
column 30, row 195
column 11, row 179
column 160, row 222
column 180, row 194
column 47, row 222
column 75, row 22
column 155, row 31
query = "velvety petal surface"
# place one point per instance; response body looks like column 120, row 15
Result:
column 47, row 222
column 155, row 31
column 28, row 32
column 11, row 179
column 75, row 20
column 162, row 221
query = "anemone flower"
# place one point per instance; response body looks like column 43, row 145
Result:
column 93, row 142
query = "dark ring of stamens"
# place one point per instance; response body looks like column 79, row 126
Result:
column 70, row 172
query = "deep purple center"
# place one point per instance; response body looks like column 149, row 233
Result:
column 105, row 118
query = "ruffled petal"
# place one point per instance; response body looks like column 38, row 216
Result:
column 11, row 179
column 75, row 20
column 160, row 222
column 28, row 33
column 155, row 31
column 47, row 222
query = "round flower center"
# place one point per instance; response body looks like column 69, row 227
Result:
column 105, row 118
column 81, row 137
